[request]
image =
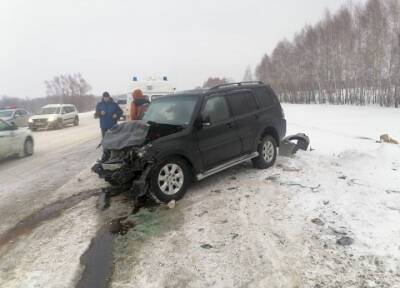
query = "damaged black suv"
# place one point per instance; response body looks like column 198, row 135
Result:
column 191, row 135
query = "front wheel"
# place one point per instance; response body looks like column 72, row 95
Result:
column 60, row 124
column 28, row 147
column 76, row 121
column 169, row 180
column 267, row 150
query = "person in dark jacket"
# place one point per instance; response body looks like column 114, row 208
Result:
column 108, row 112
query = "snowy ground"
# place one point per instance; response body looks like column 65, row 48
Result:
column 241, row 228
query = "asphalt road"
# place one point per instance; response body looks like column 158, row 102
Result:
column 28, row 184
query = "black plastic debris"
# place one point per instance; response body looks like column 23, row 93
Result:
column 293, row 143
column 345, row 241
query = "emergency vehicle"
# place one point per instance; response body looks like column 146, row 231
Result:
column 152, row 87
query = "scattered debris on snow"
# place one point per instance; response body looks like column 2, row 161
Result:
column 345, row 241
column 318, row 222
column 206, row 246
column 387, row 139
column 171, row 204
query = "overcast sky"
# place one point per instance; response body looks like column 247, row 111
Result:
column 109, row 41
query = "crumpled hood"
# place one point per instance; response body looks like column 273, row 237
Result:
column 125, row 135
column 135, row 134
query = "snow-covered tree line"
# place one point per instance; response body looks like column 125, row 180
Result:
column 350, row 57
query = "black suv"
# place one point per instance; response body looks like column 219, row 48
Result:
column 191, row 135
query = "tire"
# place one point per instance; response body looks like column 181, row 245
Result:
column 267, row 150
column 28, row 147
column 76, row 121
column 164, row 189
column 60, row 124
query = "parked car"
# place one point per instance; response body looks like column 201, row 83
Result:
column 55, row 116
column 191, row 136
column 14, row 140
column 16, row 116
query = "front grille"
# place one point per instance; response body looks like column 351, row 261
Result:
column 41, row 121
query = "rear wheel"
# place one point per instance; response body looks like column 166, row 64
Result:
column 267, row 150
column 169, row 180
column 28, row 147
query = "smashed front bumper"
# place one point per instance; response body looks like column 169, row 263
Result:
column 129, row 173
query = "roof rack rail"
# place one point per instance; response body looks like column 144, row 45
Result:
column 237, row 84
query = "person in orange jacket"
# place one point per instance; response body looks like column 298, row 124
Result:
column 139, row 105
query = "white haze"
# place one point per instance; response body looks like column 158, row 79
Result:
column 110, row 41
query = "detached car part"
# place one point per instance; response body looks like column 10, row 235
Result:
column 293, row 143
column 203, row 137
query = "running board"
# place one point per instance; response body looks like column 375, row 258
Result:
column 226, row 165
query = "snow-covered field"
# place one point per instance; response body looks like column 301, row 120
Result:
column 279, row 227
column 241, row 228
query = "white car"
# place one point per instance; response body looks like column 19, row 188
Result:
column 15, row 116
column 15, row 141
column 54, row 116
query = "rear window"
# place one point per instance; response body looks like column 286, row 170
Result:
column 242, row 103
column 266, row 96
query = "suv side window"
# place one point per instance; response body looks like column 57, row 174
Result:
column 216, row 108
column 266, row 97
column 242, row 102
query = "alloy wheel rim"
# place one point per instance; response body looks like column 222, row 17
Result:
column 170, row 179
column 268, row 151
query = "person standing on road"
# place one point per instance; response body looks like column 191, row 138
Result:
column 138, row 106
column 108, row 112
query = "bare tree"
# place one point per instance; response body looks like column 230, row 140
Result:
column 349, row 57
column 67, row 86
column 248, row 74
column 214, row 81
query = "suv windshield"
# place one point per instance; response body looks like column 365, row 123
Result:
column 50, row 110
column 6, row 113
column 171, row 110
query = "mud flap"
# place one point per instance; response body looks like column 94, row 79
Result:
column 291, row 144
